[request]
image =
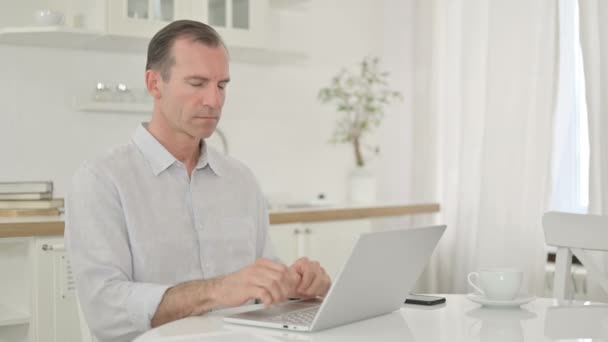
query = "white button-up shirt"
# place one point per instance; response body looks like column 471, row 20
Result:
column 137, row 224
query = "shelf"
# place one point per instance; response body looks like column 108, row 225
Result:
column 115, row 107
column 351, row 213
column 55, row 225
column 10, row 317
column 30, row 226
column 67, row 38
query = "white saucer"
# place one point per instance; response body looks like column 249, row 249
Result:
column 474, row 297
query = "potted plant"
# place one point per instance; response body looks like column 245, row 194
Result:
column 360, row 96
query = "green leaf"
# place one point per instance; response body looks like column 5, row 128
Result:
column 360, row 97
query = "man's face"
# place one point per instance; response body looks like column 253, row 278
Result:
column 192, row 98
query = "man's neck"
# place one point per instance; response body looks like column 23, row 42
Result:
column 183, row 147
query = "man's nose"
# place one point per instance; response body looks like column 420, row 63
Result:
column 212, row 97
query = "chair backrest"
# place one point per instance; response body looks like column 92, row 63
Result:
column 575, row 234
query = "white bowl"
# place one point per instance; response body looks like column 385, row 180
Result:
column 47, row 17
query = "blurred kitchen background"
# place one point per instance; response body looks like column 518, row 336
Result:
column 272, row 119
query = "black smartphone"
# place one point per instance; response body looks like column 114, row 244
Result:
column 424, row 299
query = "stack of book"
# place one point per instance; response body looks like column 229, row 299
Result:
column 29, row 199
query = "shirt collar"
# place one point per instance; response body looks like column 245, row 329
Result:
column 160, row 158
column 155, row 153
column 210, row 157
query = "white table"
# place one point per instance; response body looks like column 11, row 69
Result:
column 458, row 320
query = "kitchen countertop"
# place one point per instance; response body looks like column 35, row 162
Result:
column 54, row 225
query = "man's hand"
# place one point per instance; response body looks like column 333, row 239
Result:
column 314, row 281
column 266, row 280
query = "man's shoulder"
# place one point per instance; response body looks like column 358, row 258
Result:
column 107, row 163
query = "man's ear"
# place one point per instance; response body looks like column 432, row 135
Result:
column 153, row 83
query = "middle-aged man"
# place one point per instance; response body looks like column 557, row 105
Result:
column 164, row 227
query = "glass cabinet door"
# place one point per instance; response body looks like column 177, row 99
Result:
column 228, row 13
column 160, row 10
column 138, row 9
column 145, row 17
column 216, row 10
column 240, row 14
column 241, row 23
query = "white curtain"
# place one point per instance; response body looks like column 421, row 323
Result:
column 486, row 84
column 594, row 43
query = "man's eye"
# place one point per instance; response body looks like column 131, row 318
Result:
column 221, row 86
column 196, row 84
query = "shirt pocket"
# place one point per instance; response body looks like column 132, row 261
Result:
column 234, row 245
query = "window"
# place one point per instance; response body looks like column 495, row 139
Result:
column 570, row 186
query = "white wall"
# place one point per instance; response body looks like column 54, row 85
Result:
column 272, row 118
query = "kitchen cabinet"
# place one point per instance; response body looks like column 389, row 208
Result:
column 143, row 18
column 15, row 310
column 329, row 243
column 250, row 28
column 55, row 316
column 241, row 23
column 285, row 239
column 38, row 302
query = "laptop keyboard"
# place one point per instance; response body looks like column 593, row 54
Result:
column 301, row 317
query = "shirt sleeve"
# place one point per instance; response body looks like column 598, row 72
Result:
column 115, row 307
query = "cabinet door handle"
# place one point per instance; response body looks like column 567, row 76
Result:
column 49, row 247
column 307, row 231
column 296, row 232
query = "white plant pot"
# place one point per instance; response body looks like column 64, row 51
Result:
column 362, row 186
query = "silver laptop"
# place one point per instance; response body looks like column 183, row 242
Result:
column 379, row 273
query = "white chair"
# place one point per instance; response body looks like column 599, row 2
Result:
column 575, row 234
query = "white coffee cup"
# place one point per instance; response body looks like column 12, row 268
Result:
column 497, row 283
